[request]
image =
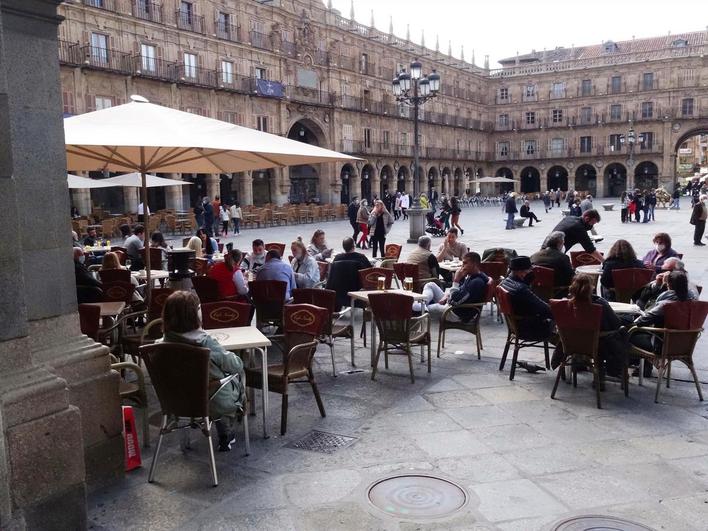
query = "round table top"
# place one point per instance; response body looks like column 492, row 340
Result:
column 589, row 269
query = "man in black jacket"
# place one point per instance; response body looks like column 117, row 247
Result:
column 536, row 319
column 510, row 209
column 576, row 231
column 352, row 211
column 525, row 212
column 552, row 256
column 351, row 255
column 86, row 283
column 698, row 220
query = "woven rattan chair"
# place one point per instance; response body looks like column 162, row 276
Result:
column 268, row 297
column 226, row 314
column 399, row 331
column 628, row 281
column 369, row 279
column 582, row 258
column 471, row 326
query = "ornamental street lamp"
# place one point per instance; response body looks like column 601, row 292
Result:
column 631, row 139
column 414, row 89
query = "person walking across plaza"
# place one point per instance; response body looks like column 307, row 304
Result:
column 698, row 220
column 362, row 219
column 397, row 206
column 510, row 209
column 455, row 212
column 352, row 211
column 676, row 198
column 558, row 197
column 236, row 215
column 224, row 215
column 405, row 204
column 381, row 220
column 547, row 201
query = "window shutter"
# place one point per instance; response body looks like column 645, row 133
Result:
column 90, row 102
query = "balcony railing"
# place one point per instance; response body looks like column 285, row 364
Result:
column 618, row 88
column 230, row 81
column 314, row 96
column 529, row 97
column 557, row 94
column 502, row 100
column 585, row 92
column 190, row 22
column 194, row 75
column 106, row 59
column 151, row 11
column 288, row 48
column 108, row 5
column 260, row 40
column 69, row 53
column 648, row 85
column 151, row 67
column 228, row 32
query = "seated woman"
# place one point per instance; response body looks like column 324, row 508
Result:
column 195, row 244
column 661, row 251
column 318, row 248
column 307, row 272
column 182, row 324
column 613, row 345
column 210, row 247
column 157, row 241
column 620, row 256
column 110, row 261
column 228, row 273
column 677, row 283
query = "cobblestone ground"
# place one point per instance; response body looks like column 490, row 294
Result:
column 526, row 461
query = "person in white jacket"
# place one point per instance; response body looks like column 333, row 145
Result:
column 405, row 204
column 236, row 215
column 224, row 214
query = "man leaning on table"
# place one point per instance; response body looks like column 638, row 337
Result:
column 576, row 231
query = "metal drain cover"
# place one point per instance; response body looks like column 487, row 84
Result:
column 321, row 441
column 599, row 523
column 417, row 496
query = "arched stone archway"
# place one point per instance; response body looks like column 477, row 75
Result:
column 367, row 176
column 504, row 172
column 345, row 176
column 305, row 182
column 557, row 178
column 615, row 179
column 457, row 181
column 586, row 179
column 646, row 175
column 432, row 180
column 402, row 178
column 387, row 184
column 530, row 180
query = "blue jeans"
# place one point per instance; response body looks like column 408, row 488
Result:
column 510, row 220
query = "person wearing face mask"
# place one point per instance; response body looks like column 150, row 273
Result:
column 536, row 321
column 661, row 251
column 698, row 220
column 307, row 272
column 84, row 278
column 576, row 231
column 552, row 256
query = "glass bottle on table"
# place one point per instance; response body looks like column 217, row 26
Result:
column 408, row 283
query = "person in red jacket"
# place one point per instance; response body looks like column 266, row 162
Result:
column 223, row 273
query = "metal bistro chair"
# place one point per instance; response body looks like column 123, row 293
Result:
column 496, row 271
column 369, row 279
column 114, row 275
column 180, row 375
column 268, row 297
column 543, row 282
column 398, row 329
column 226, row 314
column 513, row 336
column 134, row 391
column 683, row 325
column 579, row 331
column 207, row 289
column 471, row 326
column 327, row 299
column 302, row 325
column 404, row 270
column 628, row 281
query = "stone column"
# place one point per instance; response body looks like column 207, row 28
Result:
column 281, row 190
column 544, row 181
column 375, row 185
column 600, row 183
column 130, row 199
column 60, row 422
column 213, row 184
column 81, row 199
column 354, row 186
column 245, row 191
column 174, row 195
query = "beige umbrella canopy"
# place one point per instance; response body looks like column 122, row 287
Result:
column 135, row 179
column 78, row 182
column 142, row 137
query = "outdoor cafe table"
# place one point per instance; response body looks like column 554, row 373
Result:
column 248, row 338
column 450, row 265
column 109, row 309
column 155, row 274
column 625, row 308
column 363, row 296
column 592, row 270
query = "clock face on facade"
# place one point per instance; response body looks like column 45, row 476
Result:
column 676, row 127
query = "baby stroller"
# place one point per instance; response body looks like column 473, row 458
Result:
column 435, row 227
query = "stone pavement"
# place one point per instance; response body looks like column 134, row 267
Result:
column 525, row 461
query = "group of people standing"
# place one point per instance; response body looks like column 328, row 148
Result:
column 635, row 202
column 214, row 216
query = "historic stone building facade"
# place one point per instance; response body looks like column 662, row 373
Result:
column 298, row 68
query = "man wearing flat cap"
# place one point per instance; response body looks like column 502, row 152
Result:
column 536, row 319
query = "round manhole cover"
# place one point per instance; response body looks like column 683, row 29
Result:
column 417, row 496
column 599, row 523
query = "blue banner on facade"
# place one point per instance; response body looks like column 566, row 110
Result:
column 272, row 89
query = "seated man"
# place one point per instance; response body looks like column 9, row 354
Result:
column 649, row 294
column 275, row 269
column 525, row 212
column 255, row 260
column 91, row 238
column 576, row 231
column 536, row 318
column 351, row 255
column 134, row 246
column 552, row 256
column 449, row 249
column 421, row 256
column 468, row 287
column 85, row 279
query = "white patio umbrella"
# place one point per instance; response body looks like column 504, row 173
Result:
column 135, row 179
column 494, row 180
column 78, row 182
column 142, row 137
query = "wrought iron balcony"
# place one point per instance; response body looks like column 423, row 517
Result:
column 190, row 22
column 146, row 10
column 227, row 32
column 260, row 40
column 106, row 59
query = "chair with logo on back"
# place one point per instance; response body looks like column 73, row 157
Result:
column 392, row 251
column 543, row 282
column 302, row 325
column 180, row 376
column 399, row 331
column 628, row 281
column 514, row 335
column 326, row 298
column 225, row 314
column 582, row 258
column 114, row 275
column 683, row 325
column 369, row 279
column 118, row 292
column 280, row 247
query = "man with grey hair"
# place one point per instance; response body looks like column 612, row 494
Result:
column 421, row 256
column 552, row 256
column 656, row 287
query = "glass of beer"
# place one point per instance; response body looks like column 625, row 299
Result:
column 381, row 283
column 408, row 283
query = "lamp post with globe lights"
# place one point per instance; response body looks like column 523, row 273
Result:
column 631, row 139
column 414, row 89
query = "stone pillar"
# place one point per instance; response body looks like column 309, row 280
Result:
column 376, row 185
column 174, row 195
column 281, row 190
column 544, row 181
column 60, row 421
column 81, row 199
column 600, row 182
column 213, row 184
column 130, row 199
column 354, row 186
column 245, row 191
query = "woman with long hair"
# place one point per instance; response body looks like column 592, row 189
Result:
column 209, row 244
column 445, row 212
column 181, row 324
column 110, row 261
column 455, row 212
column 382, row 221
column 307, row 272
column 157, row 241
column 318, row 248
column 620, row 256
column 195, row 244
column 362, row 218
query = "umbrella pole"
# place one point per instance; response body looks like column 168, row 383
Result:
column 146, row 221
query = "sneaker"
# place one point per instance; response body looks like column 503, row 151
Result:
column 226, row 442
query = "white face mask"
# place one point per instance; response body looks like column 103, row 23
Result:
column 82, row 259
column 660, row 247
